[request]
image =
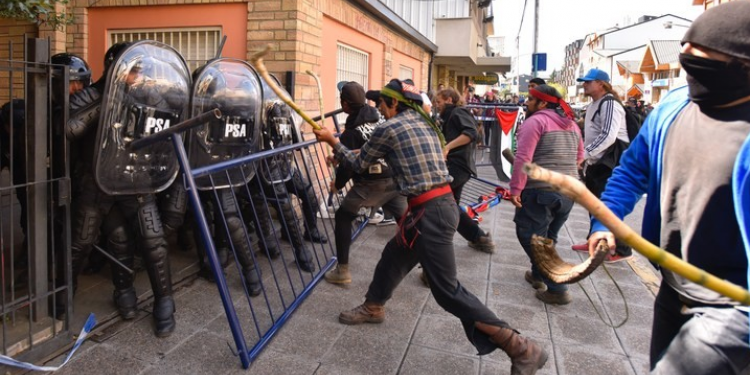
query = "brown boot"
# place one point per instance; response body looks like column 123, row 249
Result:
column 339, row 275
column 526, row 355
column 367, row 312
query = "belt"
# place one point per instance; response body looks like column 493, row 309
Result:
column 430, row 195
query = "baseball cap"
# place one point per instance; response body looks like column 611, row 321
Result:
column 594, row 75
column 351, row 92
column 405, row 87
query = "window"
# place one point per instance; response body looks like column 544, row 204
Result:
column 405, row 72
column 196, row 45
column 351, row 65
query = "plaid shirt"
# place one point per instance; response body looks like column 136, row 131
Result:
column 410, row 147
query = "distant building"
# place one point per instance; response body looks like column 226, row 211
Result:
column 569, row 71
column 710, row 3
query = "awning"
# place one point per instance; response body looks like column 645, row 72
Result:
column 465, row 66
column 635, row 91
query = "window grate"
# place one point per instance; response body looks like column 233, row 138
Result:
column 352, row 65
column 196, row 45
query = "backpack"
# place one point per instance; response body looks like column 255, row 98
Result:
column 633, row 120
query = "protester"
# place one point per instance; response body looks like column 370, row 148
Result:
column 412, row 146
column 536, row 82
column 691, row 158
column 551, row 140
column 373, row 187
column 606, row 138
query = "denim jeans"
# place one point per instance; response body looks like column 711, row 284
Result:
column 543, row 213
column 698, row 340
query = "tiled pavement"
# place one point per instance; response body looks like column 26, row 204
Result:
column 417, row 336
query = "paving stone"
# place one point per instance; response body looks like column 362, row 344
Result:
column 529, row 321
column 578, row 360
column 359, row 353
column 418, row 358
column 636, row 341
column 102, row 359
column 585, row 332
column 202, row 353
column 274, row 362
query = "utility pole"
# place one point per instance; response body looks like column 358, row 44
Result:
column 536, row 37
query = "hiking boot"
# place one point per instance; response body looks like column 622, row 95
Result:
column 581, row 247
column 552, row 298
column 314, row 235
column 535, row 283
column 611, row 259
column 526, row 356
column 164, row 316
column 339, row 275
column 364, row 313
column 126, row 302
column 252, row 282
column 483, row 243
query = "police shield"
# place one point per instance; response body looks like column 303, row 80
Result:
column 234, row 87
column 280, row 127
column 147, row 91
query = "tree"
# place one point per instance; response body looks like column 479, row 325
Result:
column 562, row 90
column 554, row 75
column 41, row 12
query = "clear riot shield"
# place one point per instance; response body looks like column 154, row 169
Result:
column 234, row 87
column 280, row 127
column 147, row 90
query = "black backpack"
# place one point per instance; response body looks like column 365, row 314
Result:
column 633, row 120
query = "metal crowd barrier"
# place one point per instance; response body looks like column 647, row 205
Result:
column 490, row 127
column 253, row 321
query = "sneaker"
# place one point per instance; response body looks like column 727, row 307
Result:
column 551, row 298
column 387, row 222
column 581, row 247
column 535, row 283
column 376, row 218
column 483, row 243
column 610, row 259
column 363, row 314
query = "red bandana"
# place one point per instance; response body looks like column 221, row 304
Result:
column 551, row 99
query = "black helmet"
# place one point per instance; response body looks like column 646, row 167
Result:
column 79, row 70
column 113, row 52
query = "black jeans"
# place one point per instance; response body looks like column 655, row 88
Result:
column 543, row 213
column 430, row 229
column 467, row 228
column 367, row 193
column 596, row 180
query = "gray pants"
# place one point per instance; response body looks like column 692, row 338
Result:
column 698, row 340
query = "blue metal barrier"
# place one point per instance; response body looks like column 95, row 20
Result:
column 254, row 321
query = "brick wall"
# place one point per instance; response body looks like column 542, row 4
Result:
column 11, row 47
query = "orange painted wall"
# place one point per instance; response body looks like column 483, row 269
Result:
column 231, row 17
column 408, row 61
column 335, row 33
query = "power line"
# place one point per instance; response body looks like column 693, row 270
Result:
column 523, row 13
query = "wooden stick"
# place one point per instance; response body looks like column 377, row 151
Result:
column 257, row 61
column 579, row 193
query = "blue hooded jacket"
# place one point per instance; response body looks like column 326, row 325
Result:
column 640, row 171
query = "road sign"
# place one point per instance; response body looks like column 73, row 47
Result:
column 489, row 79
column 539, row 62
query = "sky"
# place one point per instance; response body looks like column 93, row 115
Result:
column 563, row 21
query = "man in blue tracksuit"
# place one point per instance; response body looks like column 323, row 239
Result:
column 692, row 158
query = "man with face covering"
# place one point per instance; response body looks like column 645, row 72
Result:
column 692, row 158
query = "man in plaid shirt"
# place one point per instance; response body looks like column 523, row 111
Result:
column 412, row 145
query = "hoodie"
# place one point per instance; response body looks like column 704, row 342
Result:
column 357, row 130
column 550, row 141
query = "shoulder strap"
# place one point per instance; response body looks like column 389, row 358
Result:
column 604, row 99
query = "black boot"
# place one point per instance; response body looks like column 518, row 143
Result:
column 164, row 316
column 252, row 281
column 304, row 259
column 127, row 302
column 314, row 235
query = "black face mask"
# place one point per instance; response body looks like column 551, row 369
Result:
column 712, row 83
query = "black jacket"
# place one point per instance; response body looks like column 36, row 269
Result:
column 357, row 131
column 457, row 121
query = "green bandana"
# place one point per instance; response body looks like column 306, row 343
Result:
column 386, row 91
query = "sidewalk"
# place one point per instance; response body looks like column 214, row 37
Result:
column 417, row 337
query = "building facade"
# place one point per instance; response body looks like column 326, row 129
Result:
column 569, row 72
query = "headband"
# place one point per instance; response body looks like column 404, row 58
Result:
column 555, row 100
column 391, row 93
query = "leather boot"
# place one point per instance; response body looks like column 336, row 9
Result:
column 526, row 356
column 304, row 259
column 368, row 312
column 164, row 316
column 127, row 302
column 314, row 235
column 339, row 275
